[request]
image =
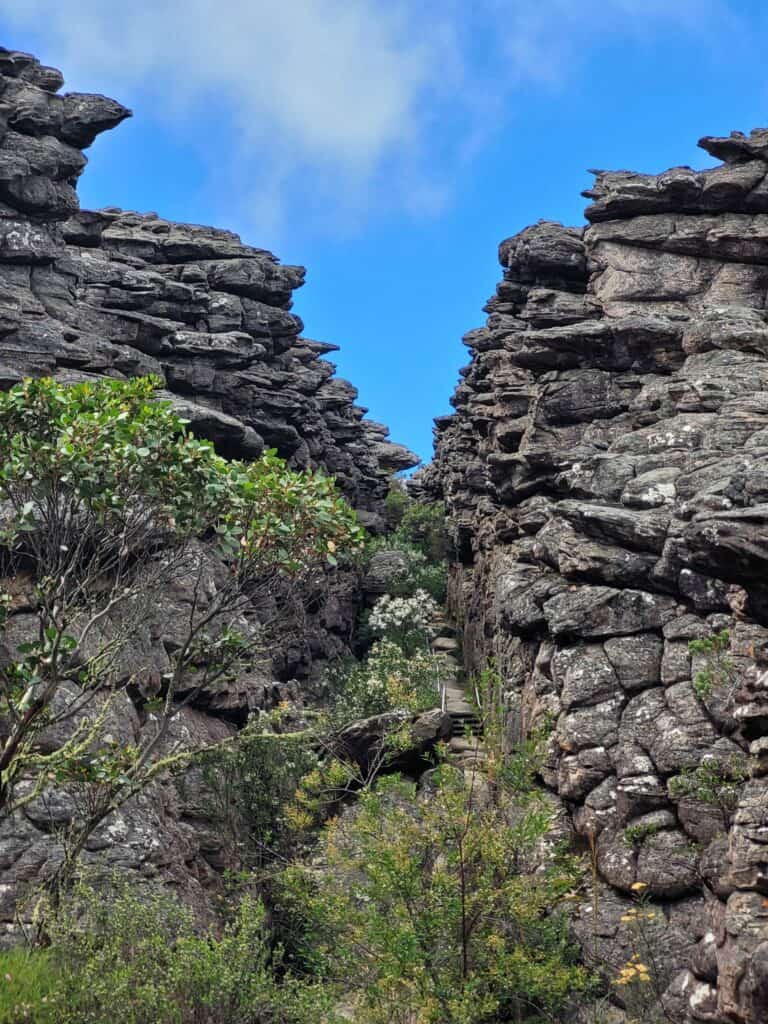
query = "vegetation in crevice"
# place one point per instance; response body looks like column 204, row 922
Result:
column 351, row 889
column 718, row 669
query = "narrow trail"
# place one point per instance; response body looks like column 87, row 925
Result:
column 466, row 748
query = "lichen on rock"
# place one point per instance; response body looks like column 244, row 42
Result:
column 604, row 477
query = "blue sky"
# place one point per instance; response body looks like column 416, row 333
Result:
column 389, row 145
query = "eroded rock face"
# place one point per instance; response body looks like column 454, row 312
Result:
column 605, row 477
column 118, row 294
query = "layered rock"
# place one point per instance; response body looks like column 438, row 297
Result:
column 88, row 294
column 121, row 294
column 605, row 478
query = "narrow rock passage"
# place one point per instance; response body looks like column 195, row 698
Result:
column 466, row 745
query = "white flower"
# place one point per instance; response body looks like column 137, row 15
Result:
column 403, row 613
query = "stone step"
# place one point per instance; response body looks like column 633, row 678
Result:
column 461, row 724
column 460, row 744
column 459, row 698
column 458, row 707
column 444, row 645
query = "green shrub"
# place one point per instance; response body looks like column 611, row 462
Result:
column 423, row 525
column 635, row 834
column 139, row 960
column 388, row 680
column 712, row 782
column 421, row 536
column 424, row 911
column 105, row 496
column 251, row 784
column 718, row 667
column 419, row 574
column 395, row 503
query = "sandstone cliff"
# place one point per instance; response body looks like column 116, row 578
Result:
column 124, row 294
column 605, row 478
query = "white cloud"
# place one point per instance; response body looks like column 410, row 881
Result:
column 360, row 103
column 337, row 79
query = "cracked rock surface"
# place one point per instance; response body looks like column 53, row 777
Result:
column 119, row 294
column 605, row 474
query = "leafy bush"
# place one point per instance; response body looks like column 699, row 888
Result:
column 713, row 782
column 405, row 621
column 718, row 667
column 419, row 573
column 395, row 503
column 636, row 834
column 252, row 783
column 116, row 956
column 423, row 525
column 388, row 680
column 104, row 496
column 425, row 912
column 421, row 536
column 108, row 458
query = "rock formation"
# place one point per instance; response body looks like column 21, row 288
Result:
column 605, row 478
column 124, row 294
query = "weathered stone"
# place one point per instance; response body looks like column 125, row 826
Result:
column 636, row 660
column 604, row 476
column 361, row 741
column 605, row 612
column 85, row 295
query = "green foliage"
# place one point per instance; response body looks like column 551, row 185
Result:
column 718, row 666
column 320, row 792
column 140, row 960
column 426, row 912
column 395, row 503
column 513, row 767
column 252, row 785
column 519, row 769
column 105, row 495
column 712, row 782
column 423, row 525
column 635, row 834
column 418, row 574
column 421, row 536
column 388, row 680
column 97, row 444
column 121, row 458
column 29, row 985
column 486, row 690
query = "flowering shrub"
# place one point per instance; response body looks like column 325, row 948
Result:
column 423, row 913
column 388, row 680
column 640, row 982
column 404, row 620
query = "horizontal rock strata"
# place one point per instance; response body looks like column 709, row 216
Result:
column 119, row 294
column 606, row 478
